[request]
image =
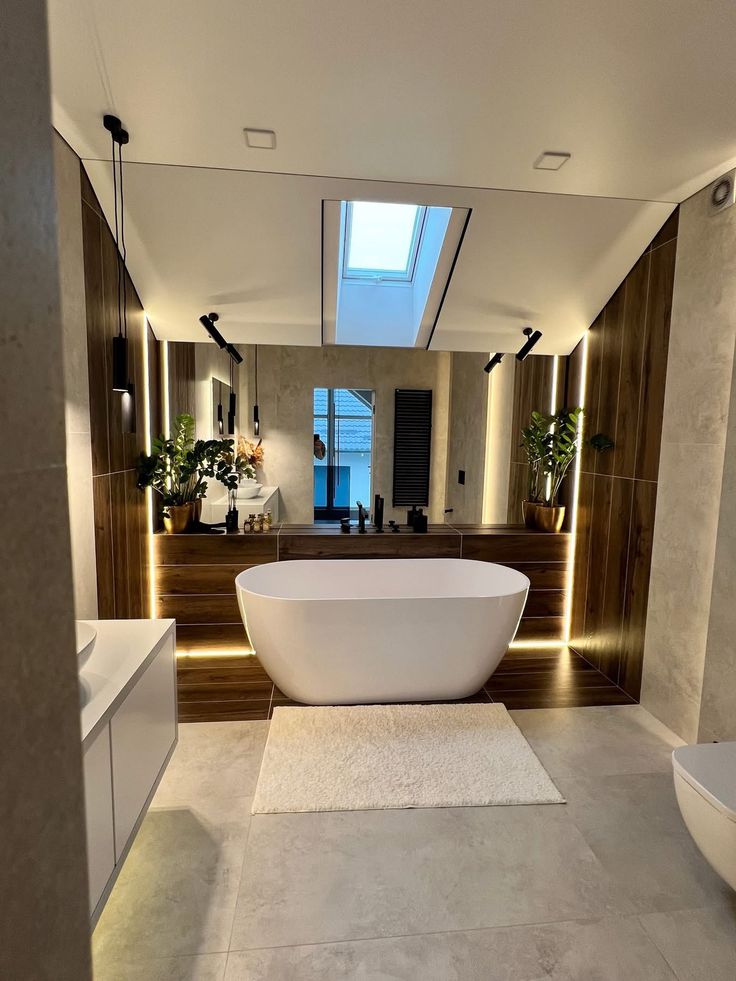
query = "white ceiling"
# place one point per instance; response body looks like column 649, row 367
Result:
column 463, row 94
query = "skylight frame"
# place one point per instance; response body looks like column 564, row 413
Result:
column 375, row 275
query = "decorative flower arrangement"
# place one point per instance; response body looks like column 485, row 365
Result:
column 251, row 452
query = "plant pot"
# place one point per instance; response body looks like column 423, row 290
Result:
column 179, row 518
column 549, row 519
column 528, row 511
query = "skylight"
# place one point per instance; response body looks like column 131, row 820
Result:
column 382, row 240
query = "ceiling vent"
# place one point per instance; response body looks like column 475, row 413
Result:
column 722, row 193
column 260, row 139
column 551, row 160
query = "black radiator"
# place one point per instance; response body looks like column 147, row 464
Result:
column 412, row 446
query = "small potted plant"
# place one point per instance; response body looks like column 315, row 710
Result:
column 562, row 443
column 534, row 438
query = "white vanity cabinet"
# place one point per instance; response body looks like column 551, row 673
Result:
column 129, row 728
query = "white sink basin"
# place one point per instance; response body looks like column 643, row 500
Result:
column 86, row 635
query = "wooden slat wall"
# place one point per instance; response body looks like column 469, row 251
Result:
column 532, row 390
column 181, row 379
column 543, row 559
column 119, row 508
column 195, row 577
column 627, row 360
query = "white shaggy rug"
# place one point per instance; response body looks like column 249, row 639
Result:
column 363, row 757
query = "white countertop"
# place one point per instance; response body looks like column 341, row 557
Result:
column 122, row 651
column 265, row 494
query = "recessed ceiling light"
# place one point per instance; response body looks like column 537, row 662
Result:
column 260, row 139
column 551, row 160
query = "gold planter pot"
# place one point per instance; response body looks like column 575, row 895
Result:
column 179, row 518
column 549, row 519
column 528, row 512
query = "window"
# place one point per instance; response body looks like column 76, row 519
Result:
column 382, row 240
column 343, row 419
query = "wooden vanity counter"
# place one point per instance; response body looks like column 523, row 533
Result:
column 195, row 572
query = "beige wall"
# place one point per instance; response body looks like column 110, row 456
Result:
column 44, row 924
column 468, row 418
column 287, row 377
column 76, row 379
column 686, row 531
column 499, row 436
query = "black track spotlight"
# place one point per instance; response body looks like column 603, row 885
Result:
column 120, row 363
column 208, row 321
column 496, row 359
column 234, row 353
column 531, row 339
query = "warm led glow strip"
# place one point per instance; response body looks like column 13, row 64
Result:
column 218, row 652
column 149, row 491
column 533, row 645
column 567, row 624
column 552, row 411
column 165, row 373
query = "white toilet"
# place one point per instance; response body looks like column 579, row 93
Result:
column 705, row 785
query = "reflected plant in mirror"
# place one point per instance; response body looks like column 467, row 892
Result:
column 178, row 469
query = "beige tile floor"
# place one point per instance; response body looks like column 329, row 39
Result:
column 608, row 887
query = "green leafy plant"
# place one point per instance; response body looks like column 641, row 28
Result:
column 534, row 440
column 178, row 467
column 562, row 442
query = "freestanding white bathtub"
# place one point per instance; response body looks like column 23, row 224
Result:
column 346, row 631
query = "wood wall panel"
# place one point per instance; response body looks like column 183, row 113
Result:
column 627, row 360
column 117, row 423
column 532, row 390
column 181, row 379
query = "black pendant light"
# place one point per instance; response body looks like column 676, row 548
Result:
column 531, row 339
column 119, row 137
column 220, row 420
column 256, row 418
column 231, row 402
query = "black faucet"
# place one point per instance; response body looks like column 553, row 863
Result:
column 361, row 518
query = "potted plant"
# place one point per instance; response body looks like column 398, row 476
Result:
column 562, row 443
column 534, row 442
column 178, row 468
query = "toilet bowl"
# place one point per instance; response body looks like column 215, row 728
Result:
column 705, row 785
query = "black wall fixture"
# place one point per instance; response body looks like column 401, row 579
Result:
column 412, row 446
column 256, row 415
column 496, row 359
column 208, row 321
column 531, row 339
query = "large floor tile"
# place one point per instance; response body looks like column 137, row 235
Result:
column 611, row 949
column 177, row 891
column 633, row 825
column 213, row 759
column 311, row 878
column 201, row 967
column 598, row 740
column 700, row 945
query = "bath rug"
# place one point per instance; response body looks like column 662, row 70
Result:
column 364, row 757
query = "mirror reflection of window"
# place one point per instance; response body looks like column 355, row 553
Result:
column 343, row 422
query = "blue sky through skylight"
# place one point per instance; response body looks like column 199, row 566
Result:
column 382, row 238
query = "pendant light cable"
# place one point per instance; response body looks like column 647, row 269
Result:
column 117, row 231
column 122, row 244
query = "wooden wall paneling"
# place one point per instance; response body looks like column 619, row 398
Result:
column 181, row 379
column 639, row 559
column 541, row 628
column 542, row 575
column 438, row 544
column 117, row 423
column 219, row 688
column 654, row 366
column 612, row 338
column 629, row 340
column 183, row 580
column 250, row 549
column 580, row 561
column 204, row 608
column 635, row 313
column 524, row 546
column 612, row 612
column 597, row 558
column 211, row 637
column 103, row 546
column 96, row 341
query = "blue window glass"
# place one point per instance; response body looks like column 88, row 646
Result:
column 382, row 240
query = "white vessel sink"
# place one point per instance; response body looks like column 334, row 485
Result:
column 86, row 635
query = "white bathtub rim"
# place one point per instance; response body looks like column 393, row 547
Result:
column 243, row 582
